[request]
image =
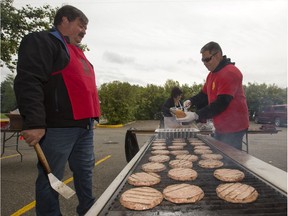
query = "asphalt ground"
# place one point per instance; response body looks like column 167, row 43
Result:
column 18, row 178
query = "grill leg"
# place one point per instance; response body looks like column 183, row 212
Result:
column 131, row 144
column 246, row 142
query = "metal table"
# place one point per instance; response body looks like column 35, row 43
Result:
column 254, row 131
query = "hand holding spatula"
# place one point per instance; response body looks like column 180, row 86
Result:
column 55, row 183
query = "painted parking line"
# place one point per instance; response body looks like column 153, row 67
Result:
column 9, row 156
column 32, row 204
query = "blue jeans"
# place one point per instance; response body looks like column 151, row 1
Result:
column 232, row 139
column 60, row 145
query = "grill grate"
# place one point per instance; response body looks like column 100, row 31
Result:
column 270, row 202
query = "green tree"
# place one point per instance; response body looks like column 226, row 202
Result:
column 15, row 23
column 169, row 84
column 149, row 102
column 118, row 102
column 8, row 101
column 189, row 91
column 122, row 102
column 259, row 95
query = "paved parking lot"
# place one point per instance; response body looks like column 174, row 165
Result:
column 18, row 178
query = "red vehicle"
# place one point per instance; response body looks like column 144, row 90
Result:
column 275, row 114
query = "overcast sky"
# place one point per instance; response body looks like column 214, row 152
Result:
column 150, row 41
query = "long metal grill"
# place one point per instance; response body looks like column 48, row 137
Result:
column 270, row 201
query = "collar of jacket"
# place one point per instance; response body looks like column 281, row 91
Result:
column 59, row 36
column 223, row 63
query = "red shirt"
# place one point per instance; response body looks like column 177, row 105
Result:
column 228, row 81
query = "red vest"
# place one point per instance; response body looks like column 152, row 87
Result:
column 79, row 79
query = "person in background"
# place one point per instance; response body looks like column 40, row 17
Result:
column 222, row 98
column 57, row 97
column 173, row 102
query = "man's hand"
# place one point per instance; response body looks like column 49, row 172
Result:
column 32, row 136
column 190, row 116
column 187, row 104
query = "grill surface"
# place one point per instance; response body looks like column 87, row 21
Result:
column 269, row 202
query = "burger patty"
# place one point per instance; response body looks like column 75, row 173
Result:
column 183, row 193
column 159, row 158
column 210, row 163
column 159, row 147
column 160, row 140
column 153, row 167
column 160, row 152
column 202, row 151
column 175, row 147
column 180, row 164
column 237, row 192
column 212, row 156
column 144, row 179
column 158, row 144
column 204, row 147
column 188, row 157
column 179, row 152
column 141, row 198
column 182, row 174
column 179, row 144
column 197, row 143
column 229, row 175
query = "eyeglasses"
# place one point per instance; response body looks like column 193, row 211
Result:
column 208, row 59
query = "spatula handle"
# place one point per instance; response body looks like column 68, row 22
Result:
column 42, row 158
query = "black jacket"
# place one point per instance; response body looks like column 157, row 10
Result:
column 167, row 105
column 43, row 99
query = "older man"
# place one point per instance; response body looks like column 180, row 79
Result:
column 58, row 100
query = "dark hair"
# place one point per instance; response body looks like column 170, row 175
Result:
column 175, row 92
column 212, row 47
column 71, row 13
